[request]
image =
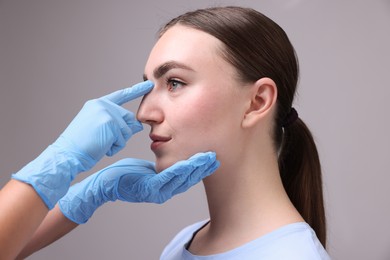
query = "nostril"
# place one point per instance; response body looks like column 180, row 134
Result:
column 149, row 122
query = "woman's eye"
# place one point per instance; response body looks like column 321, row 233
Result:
column 174, row 84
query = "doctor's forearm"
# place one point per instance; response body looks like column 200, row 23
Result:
column 21, row 212
column 54, row 226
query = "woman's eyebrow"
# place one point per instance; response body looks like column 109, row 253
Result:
column 167, row 66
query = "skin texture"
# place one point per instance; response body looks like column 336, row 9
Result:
column 215, row 111
column 192, row 113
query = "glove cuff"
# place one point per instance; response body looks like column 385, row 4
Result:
column 82, row 200
column 74, row 213
column 50, row 174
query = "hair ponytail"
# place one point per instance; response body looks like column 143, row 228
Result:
column 300, row 170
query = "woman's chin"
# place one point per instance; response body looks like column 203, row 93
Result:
column 164, row 163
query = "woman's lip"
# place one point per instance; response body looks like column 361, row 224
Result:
column 158, row 138
column 156, row 145
column 157, row 141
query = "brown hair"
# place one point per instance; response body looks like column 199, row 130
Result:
column 257, row 47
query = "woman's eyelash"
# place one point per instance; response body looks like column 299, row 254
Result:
column 173, row 84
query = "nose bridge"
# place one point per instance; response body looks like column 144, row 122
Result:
column 149, row 110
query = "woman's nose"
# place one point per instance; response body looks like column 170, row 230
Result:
column 149, row 111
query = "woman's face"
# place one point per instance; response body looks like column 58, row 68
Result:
column 197, row 104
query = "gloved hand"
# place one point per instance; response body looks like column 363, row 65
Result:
column 134, row 180
column 101, row 127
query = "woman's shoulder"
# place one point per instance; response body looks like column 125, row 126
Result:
column 296, row 241
column 293, row 241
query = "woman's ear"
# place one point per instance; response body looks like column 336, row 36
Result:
column 263, row 98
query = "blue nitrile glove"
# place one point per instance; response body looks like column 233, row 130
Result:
column 134, row 180
column 101, row 127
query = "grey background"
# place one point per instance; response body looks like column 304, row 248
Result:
column 55, row 55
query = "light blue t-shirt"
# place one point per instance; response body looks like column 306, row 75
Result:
column 291, row 242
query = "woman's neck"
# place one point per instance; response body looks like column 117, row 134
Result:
column 245, row 202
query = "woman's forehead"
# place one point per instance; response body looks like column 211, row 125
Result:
column 184, row 45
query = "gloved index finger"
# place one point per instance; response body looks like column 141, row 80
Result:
column 122, row 96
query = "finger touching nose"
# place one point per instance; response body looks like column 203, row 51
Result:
column 122, row 96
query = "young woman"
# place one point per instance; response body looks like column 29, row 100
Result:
column 225, row 80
